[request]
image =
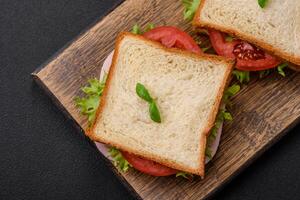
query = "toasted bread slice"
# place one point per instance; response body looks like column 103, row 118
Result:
column 187, row 89
column 275, row 28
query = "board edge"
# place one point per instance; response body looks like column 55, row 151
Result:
column 254, row 158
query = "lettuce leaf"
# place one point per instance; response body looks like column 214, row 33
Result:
column 242, row 76
column 281, row 67
column 190, row 8
column 222, row 116
column 118, row 160
column 136, row 29
column 185, row 175
column 88, row 104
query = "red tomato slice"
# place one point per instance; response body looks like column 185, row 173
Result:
column 249, row 57
column 148, row 166
column 169, row 37
column 173, row 37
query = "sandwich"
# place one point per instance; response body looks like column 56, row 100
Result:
column 163, row 100
column 259, row 35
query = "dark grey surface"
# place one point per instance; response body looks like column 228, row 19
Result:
column 43, row 157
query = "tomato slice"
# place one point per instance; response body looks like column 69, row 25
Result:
column 148, row 166
column 249, row 57
column 171, row 36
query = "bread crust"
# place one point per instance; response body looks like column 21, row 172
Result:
column 201, row 168
column 198, row 22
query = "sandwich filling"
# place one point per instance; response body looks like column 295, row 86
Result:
column 249, row 57
column 170, row 37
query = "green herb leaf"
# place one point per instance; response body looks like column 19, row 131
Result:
column 242, row 76
column 143, row 92
column 262, row 3
column 223, row 114
column 281, row 67
column 190, row 8
column 95, row 88
column 208, row 153
column 230, row 92
column 88, row 105
column 264, row 73
column 149, row 27
column 233, row 90
column 136, row 29
column 154, row 112
column 118, row 160
column 213, row 135
column 185, row 175
column 227, row 116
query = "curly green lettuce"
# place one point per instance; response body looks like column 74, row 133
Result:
column 190, row 8
column 222, row 116
column 281, row 67
column 118, row 160
column 89, row 103
column 185, row 175
column 88, row 106
column 242, row 76
column 136, row 29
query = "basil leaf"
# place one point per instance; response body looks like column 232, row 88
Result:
column 242, row 76
column 154, row 112
column 143, row 92
column 262, row 3
column 281, row 67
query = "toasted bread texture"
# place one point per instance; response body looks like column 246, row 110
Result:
column 187, row 89
column 275, row 28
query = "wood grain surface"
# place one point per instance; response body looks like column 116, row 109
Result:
column 263, row 111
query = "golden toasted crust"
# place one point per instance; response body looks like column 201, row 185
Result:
column 197, row 21
column 201, row 169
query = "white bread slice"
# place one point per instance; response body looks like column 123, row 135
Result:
column 275, row 28
column 188, row 89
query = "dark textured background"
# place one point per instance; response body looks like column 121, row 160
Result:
column 43, row 157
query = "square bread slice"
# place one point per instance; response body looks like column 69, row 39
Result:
column 187, row 89
column 275, row 28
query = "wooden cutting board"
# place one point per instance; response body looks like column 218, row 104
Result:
column 263, row 111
